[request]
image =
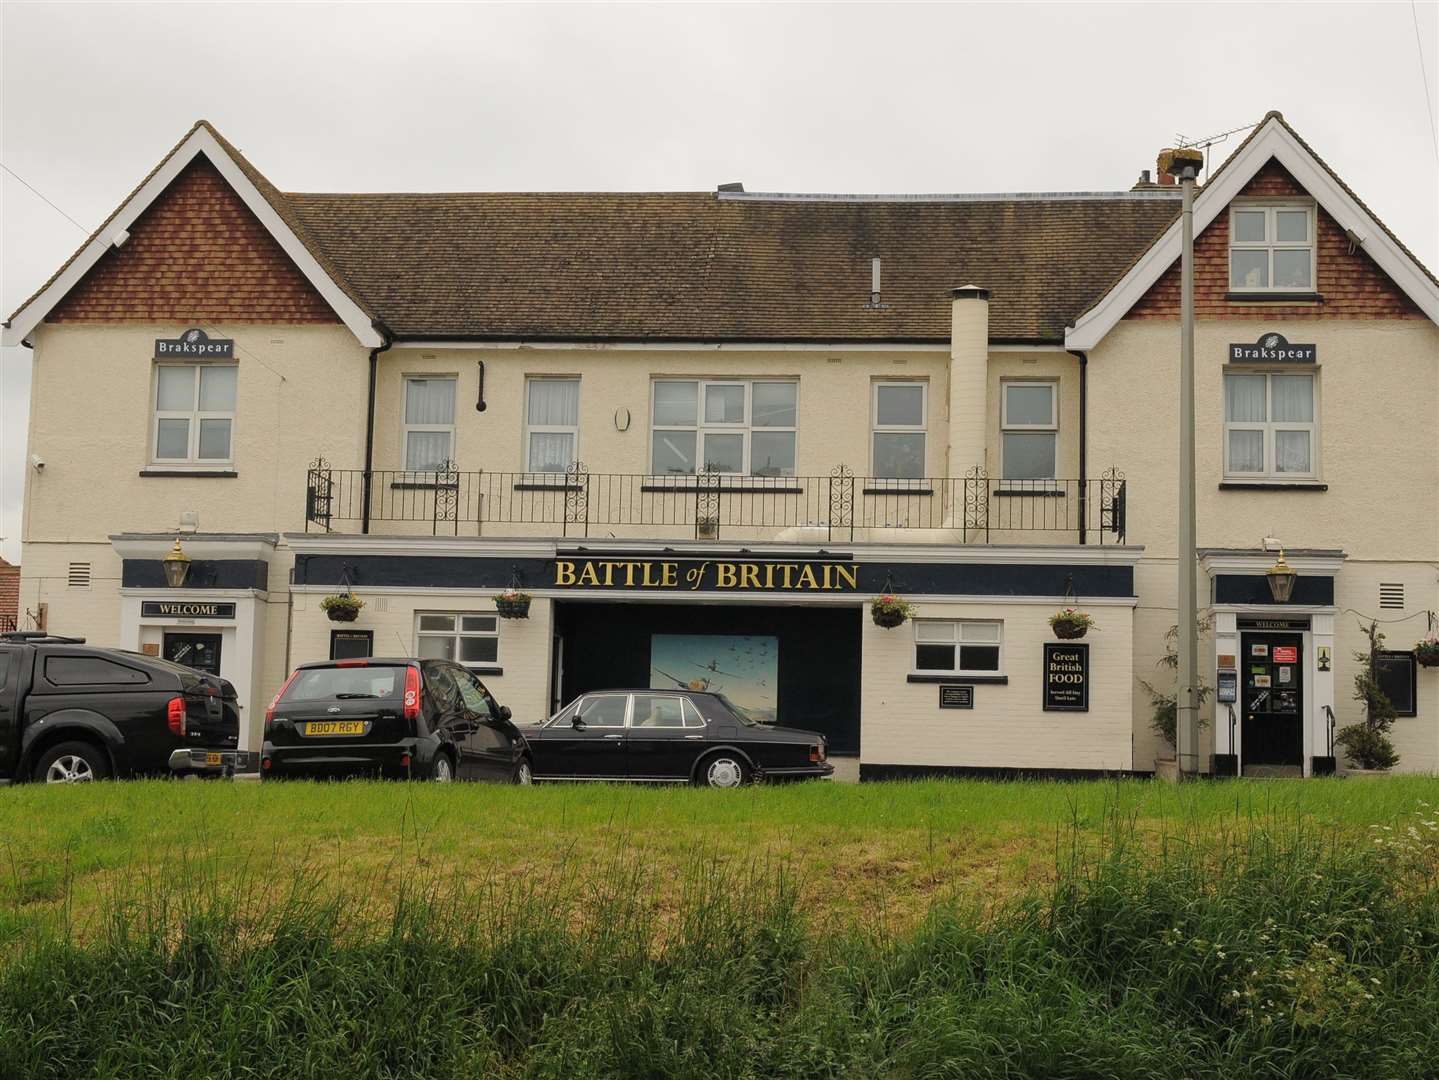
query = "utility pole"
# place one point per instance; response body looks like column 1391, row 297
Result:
column 1184, row 165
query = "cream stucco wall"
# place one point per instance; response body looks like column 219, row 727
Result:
column 902, row 723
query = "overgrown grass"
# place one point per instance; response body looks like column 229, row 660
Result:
column 1216, row 941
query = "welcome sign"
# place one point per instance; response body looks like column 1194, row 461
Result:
column 711, row 575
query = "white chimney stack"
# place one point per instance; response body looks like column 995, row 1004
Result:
column 968, row 377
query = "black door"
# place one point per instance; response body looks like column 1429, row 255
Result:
column 666, row 736
column 594, row 746
column 1272, row 699
column 199, row 651
column 487, row 748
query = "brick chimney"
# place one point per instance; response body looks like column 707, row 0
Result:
column 1165, row 180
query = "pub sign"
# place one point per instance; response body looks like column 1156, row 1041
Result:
column 1066, row 676
column 186, row 609
column 738, row 575
column 195, row 344
column 1272, row 349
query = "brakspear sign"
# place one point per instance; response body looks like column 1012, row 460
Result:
column 707, row 574
column 1272, row 349
column 195, row 344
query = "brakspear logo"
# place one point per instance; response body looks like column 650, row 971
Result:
column 195, row 343
column 1272, row 348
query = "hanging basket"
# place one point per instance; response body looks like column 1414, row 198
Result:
column 889, row 611
column 513, row 605
column 342, row 608
column 1069, row 624
column 1427, row 653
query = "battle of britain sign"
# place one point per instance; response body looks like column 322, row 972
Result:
column 194, row 345
column 737, row 575
column 1272, row 349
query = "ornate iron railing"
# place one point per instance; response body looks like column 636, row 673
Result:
column 975, row 508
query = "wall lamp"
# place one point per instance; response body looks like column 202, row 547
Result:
column 177, row 566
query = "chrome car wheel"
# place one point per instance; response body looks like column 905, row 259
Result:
column 444, row 771
column 724, row 772
column 69, row 769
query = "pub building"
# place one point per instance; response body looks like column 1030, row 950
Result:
column 587, row 440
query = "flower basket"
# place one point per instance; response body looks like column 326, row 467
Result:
column 1427, row 652
column 1069, row 624
column 512, row 604
column 343, row 607
column 889, row 611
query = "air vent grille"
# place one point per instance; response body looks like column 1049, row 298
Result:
column 1391, row 594
column 78, row 576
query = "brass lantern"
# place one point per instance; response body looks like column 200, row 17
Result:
column 1281, row 580
column 177, row 566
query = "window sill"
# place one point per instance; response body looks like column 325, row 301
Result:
column 740, row 485
column 1027, row 493
column 422, row 485
column 1272, row 485
column 539, row 485
column 952, row 677
column 1274, row 297
column 898, row 487
column 226, row 472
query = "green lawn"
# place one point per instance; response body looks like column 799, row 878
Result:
column 881, row 850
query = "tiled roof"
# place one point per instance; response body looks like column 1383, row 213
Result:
column 686, row 266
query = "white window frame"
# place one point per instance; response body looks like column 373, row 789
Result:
column 1271, row 243
column 876, row 428
column 746, row 429
column 1051, row 428
column 406, row 428
column 552, row 429
column 1269, row 427
column 457, row 633
column 957, row 641
column 192, row 459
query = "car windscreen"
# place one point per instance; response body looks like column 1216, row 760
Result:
column 742, row 716
column 345, row 683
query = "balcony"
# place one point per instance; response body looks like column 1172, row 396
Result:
column 840, row 507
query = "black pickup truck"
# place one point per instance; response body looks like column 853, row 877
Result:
column 71, row 712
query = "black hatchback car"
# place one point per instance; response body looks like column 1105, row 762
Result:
column 675, row 736
column 405, row 718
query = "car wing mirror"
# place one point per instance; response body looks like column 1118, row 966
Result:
column 505, row 713
column 577, row 723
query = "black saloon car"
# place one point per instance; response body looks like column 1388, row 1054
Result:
column 678, row 736
column 405, row 718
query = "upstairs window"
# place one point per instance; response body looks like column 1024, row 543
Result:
column 1269, row 428
column 900, row 420
column 194, row 413
column 552, row 422
column 724, row 426
column 429, row 422
column 1029, row 435
column 1271, row 248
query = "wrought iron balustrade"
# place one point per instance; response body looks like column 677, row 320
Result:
column 974, row 508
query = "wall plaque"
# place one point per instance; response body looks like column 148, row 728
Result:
column 956, row 697
column 195, row 344
column 1066, row 677
column 1272, row 349
column 185, row 609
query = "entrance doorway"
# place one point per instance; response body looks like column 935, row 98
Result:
column 1271, row 700
column 198, row 651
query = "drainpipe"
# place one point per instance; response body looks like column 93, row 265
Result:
column 370, row 421
column 1083, row 443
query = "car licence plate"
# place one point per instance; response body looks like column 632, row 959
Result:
column 335, row 727
column 212, row 758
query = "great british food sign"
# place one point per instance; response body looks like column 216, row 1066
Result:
column 709, row 575
column 1066, row 677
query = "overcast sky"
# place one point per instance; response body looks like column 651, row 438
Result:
column 813, row 97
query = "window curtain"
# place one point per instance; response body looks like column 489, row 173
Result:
column 551, row 451
column 430, row 401
column 1244, row 399
column 555, row 402
column 1293, row 399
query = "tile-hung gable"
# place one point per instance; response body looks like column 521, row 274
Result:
column 701, row 266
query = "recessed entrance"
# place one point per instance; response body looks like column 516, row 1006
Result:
column 796, row 665
column 199, row 651
column 1271, row 699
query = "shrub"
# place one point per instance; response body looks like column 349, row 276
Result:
column 1367, row 743
column 1164, row 704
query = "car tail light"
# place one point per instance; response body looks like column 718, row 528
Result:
column 412, row 693
column 175, row 716
column 270, row 712
column 266, row 763
column 404, row 761
column 352, row 663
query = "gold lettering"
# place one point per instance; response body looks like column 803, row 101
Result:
column 630, row 573
column 769, row 575
column 850, row 574
column 564, row 573
column 609, row 573
column 748, row 576
column 669, row 575
column 725, row 575
column 806, row 575
column 588, row 575
column 648, row 582
column 787, row 582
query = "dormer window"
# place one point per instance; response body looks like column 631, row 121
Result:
column 1271, row 247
